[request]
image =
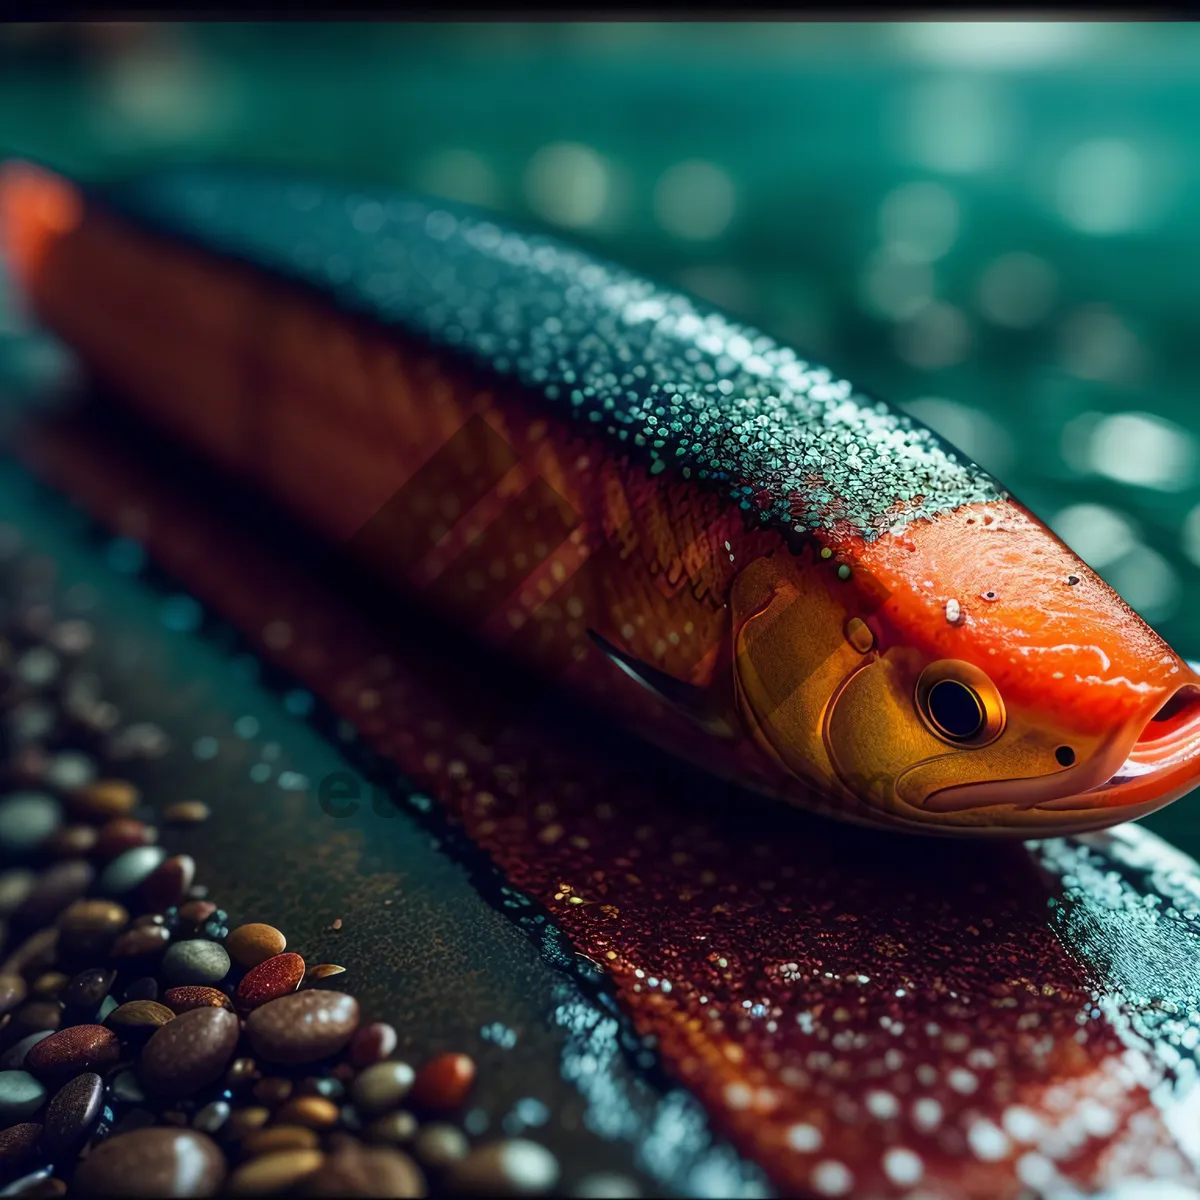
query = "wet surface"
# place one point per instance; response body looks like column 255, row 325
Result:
column 856, row 1011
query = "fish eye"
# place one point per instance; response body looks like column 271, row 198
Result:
column 955, row 709
column 959, row 703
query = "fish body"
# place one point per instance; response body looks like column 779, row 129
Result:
column 727, row 546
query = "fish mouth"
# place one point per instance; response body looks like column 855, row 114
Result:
column 1162, row 765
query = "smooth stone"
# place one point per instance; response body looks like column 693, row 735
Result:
column 145, row 988
column 371, row 1044
column 251, row 944
column 55, row 888
column 212, row 1116
column 130, row 869
column 137, row 1020
column 279, row 1137
column 152, row 1162
column 15, row 886
column 18, row 1144
column 367, row 1171
column 89, row 926
column 511, row 1167
column 443, row 1082
column 394, row 1128
column 12, row 992
column 13, row 1059
column 195, row 961
column 74, row 1049
column 169, row 883
column 126, row 1088
column 440, row 1144
column 189, row 1052
column 381, row 1087
column 302, row 1027
column 21, row 1095
column 274, row 1172
column 86, row 991
column 27, row 819
column 72, row 1112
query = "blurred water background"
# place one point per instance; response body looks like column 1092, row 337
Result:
column 991, row 224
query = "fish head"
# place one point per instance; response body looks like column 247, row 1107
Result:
column 1012, row 690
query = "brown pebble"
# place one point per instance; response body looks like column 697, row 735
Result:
column 508, row 1167
column 169, row 882
column 196, row 912
column 137, row 1020
column 269, row 1173
column 89, row 926
column 371, row 1044
column 18, row 1143
column 55, row 888
column 69, row 1051
column 186, row 812
column 322, row 971
column 141, row 943
column 121, row 834
column 439, row 1144
column 241, row 1070
column 382, row 1086
column 152, row 1162
column 272, row 1091
column 72, row 1112
column 337, row 924
column 314, row 1111
column 71, row 841
column 195, row 995
column 279, row 1138
column 189, row 1052
column 37, row 952
column 302, row 1027
column 394, row 1128
column 49, row 983
column 367, row 1171
column 249, row 945
column 34, row 1017
column 272, row 978
column 104, row 798
column 12, row 992
column 443, row 1082
column 244, row 1121
column 85, row 991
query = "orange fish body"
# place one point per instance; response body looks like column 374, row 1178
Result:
column 725, row 546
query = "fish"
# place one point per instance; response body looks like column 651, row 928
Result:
column 709, row 537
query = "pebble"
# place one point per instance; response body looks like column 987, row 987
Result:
column 21, row 1095
column 35, row 1016
column 510, row 1167
column 69, row 1051
column 169, row 883
column 122, row 834
column 382, row 1086
column 71, row 841
column 89, row 926
column 49, row 983
column 129, row 869
column 443, row 1082
column 274, row 1172
column 272, row 978
column 394, row 1128
column 18, row 1144
column 137, row 1020
column 249, row 945
column 314, row 1111
column 212, row 1116
column 142, row 942
column 105, row 798
column 273, row 1090
column 244, row 1121
column 145, row 988
column 184, row 999
column 56, row 887
column 439, row 1144
column 27, row 819
column 37, row 952
column 152, row 1162
column 607, row 1185
column 195, row 961
column 15, row 884
column 189, row 1052
column 279, row 1138
column 371, row 1044
column 126, row 1088
column 367, row 1171
column 86, row 991
column 323, row 971
column 70, row 770
column 12, row 992
column 72, row 1112
column 196, row 912
column 302, row 1027
column 13, row 1059
column 186, row 812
